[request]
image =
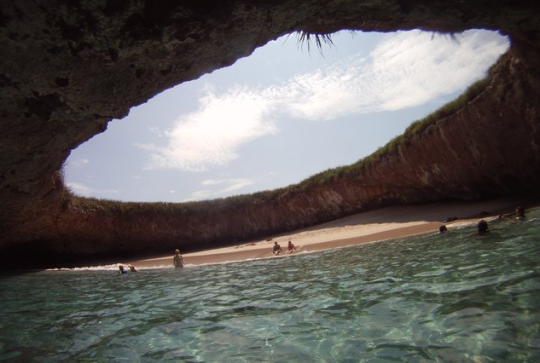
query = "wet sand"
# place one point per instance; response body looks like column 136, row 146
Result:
column 379, row 225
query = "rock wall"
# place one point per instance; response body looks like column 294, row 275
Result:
column 68, row 67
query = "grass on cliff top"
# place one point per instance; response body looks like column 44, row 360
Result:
column 414, row 129
column 104, row 206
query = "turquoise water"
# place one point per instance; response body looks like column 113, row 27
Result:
column 437, row 298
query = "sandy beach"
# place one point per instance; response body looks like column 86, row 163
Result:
column 379, row 225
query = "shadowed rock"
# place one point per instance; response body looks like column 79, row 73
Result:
column 69, row 67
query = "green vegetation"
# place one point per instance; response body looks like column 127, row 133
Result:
column 450, row 108
column 112, row 207
column 319, row 39
column 415, row 128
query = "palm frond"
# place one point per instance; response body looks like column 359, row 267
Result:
column 319, row 39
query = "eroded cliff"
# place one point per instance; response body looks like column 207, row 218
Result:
column 69, row 67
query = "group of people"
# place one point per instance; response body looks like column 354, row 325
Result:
column 178, row 262
column 122, row 270
column 277, row 248
column 482, row 226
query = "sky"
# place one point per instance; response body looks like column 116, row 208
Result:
column 279, row 116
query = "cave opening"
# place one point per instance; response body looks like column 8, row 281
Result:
column 279, row 116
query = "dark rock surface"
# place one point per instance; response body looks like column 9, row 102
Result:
column 68, row 67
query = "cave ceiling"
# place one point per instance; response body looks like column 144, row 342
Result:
column 69, row 67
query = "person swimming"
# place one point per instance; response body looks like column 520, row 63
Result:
column 520, row 213
column 122, row 270
column 483, row 227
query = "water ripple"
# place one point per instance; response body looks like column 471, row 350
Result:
column 451, row 298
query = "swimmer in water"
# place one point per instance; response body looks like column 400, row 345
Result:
column 482, row 227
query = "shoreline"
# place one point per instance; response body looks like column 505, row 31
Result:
column 375, row 226
column 258, row 252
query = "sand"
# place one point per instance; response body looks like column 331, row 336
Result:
column 375, row 226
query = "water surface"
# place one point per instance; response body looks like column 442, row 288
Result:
column 434, row 298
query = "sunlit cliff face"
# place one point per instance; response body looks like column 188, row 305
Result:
column 282, row 114
column 70, row 67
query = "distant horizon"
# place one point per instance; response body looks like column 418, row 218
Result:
column 278, row 117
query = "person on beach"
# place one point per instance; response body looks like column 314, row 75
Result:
column 178, row 260
column 290, row 248
column 277, row 249
column 482, row 227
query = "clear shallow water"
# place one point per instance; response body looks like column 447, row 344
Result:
column 447, row 298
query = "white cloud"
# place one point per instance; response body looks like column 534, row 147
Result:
column 227, row 186
column 79, row 188
column 148, row 147
column 198, row 195
column 83, row 189
column 78, row 162
column 211, row 136
column 156, row 131
column 236, row 184
column 407, row 69
column 412, row 70
column 213, row 182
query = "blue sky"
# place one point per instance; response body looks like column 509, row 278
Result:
column 279, row 116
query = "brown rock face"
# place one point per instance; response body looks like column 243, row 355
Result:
column 68, row 67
